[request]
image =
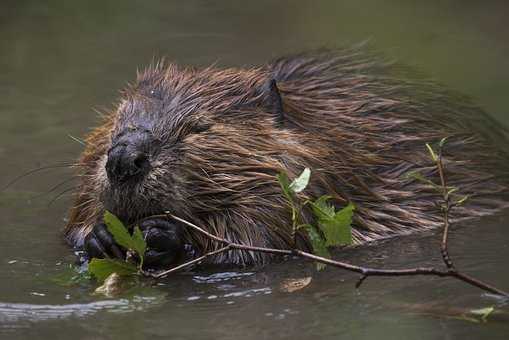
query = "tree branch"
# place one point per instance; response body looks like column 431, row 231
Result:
column 365, row 271
column 187, row 264
column 446, row 208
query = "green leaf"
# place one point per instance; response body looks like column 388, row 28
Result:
column 118, row 230
column 303, row 226
column 420, row 177
column 483, row 312
column 336, row 226
column 338, row 230
column 432, row 152
column 139, row 244
column 121, row 235
column 318, row 244
column 284, row 182
column 102, row 268
column 452, row 190
column 321, row 209
column 462, row 200
column 301, row 182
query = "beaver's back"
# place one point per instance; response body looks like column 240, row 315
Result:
column 371, row 121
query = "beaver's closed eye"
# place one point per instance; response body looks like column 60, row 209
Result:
column 155, row 93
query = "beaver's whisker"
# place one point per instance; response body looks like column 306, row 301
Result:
column 62, row 193
column 56, row 187
column 77, row 140
column 42, row 168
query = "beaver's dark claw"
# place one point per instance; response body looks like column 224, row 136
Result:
column 99, row 243
column 164, row 243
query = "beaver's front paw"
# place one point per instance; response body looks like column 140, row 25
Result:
column 164, row 243
column 99, row 243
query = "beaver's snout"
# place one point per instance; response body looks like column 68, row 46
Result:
column 129, row 156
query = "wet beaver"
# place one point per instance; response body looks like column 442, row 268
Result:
column 207, row 144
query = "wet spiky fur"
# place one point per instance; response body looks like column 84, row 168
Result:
column 359, row 123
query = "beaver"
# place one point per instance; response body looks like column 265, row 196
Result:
column 207, row 144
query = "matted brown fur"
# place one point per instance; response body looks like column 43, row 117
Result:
column 359, row 123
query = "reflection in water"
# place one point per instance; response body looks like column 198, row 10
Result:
column 219, row 277
column 16, row 312
column 10, row 312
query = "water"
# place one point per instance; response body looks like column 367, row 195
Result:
column 60, row 60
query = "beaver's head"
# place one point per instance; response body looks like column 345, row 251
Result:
column 194, row 142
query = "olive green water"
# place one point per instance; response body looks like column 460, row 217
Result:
column 59, row 60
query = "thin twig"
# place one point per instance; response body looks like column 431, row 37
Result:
column 187, row 264
column 365, row 271
column 361, row 280
column 446, row 208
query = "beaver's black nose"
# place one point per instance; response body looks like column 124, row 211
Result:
column 128, row 158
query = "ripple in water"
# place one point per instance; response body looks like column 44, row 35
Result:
column 19, row 312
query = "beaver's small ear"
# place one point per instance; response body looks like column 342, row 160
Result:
column 272, row 100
